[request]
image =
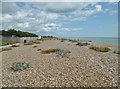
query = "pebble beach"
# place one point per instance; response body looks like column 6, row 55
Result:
column 83, row 68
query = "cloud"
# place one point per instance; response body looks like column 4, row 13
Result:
column 47, row 18
column 9, row 7
column 98, row 7
column 61, row 7
column 7, row 18
column 51, row 27
column 113, row 12
column 23, row 25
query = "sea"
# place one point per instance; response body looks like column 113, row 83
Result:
column 101, row 40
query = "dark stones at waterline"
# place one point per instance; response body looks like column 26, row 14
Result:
column 89, row 41
column 83, row 44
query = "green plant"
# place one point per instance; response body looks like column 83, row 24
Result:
column 36, row 42
column 3, row 43
column 49, row 51
column 62, row 53
column 32, row 42
column 5, row 49
column 17, row 66
column 15, row 45
column 35, row 46
column 100, row 49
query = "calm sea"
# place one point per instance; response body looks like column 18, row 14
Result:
column 102, row 40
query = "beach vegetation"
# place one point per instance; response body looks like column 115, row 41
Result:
column 35, row 46
column 15, row 45
column 5, row 49
column 62, row 53
column 48, row 51
column 100, row 49
column 3, row 43
column 58, row 52
column 32, row 42
column 19, row 66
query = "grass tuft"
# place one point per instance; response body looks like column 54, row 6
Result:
column 100, row 49
column 62, row 53
column 5, row 49
column 58, row 52
column 49, row 51
column 15, row 45
column 19, row 66
column 32, row 42
column 3, row 43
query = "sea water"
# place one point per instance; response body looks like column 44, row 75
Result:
column 102, row 40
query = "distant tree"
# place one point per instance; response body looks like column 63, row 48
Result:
column 11, row 32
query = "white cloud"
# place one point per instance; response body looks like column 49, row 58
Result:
column 51, row 27
column 45, row 17
column 98, row 7
column 9, row 7
column 113, row 12
column 7, row 18
column 61, row 1
column 23, row 25
column 71, row 29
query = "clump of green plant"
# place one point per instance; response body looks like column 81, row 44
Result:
column 32, row 42
column 100, row 49
column 62, row 53
column 116, row 51
column 36, row 42
column 35, row 46
column 5, row 49
column 45, row 39
column 19, row 66
column 3, row 43
column 15, row 45
column 49, row 51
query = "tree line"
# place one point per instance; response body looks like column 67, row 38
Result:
column 12, row 32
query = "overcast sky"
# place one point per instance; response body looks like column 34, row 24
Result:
column 63, row 19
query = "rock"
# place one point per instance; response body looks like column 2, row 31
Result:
column 82, row 44
column 39, row 49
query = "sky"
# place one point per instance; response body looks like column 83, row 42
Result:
column 62, row 19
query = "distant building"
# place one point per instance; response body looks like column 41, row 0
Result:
column 27, row 39
column 19, row 39
column 39, row 37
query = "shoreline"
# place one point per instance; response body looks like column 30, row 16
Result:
column 94, row 40
column 95, row 43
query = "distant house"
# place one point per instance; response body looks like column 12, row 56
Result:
column 19, row 39
column 27, row 39
column 39, row 37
